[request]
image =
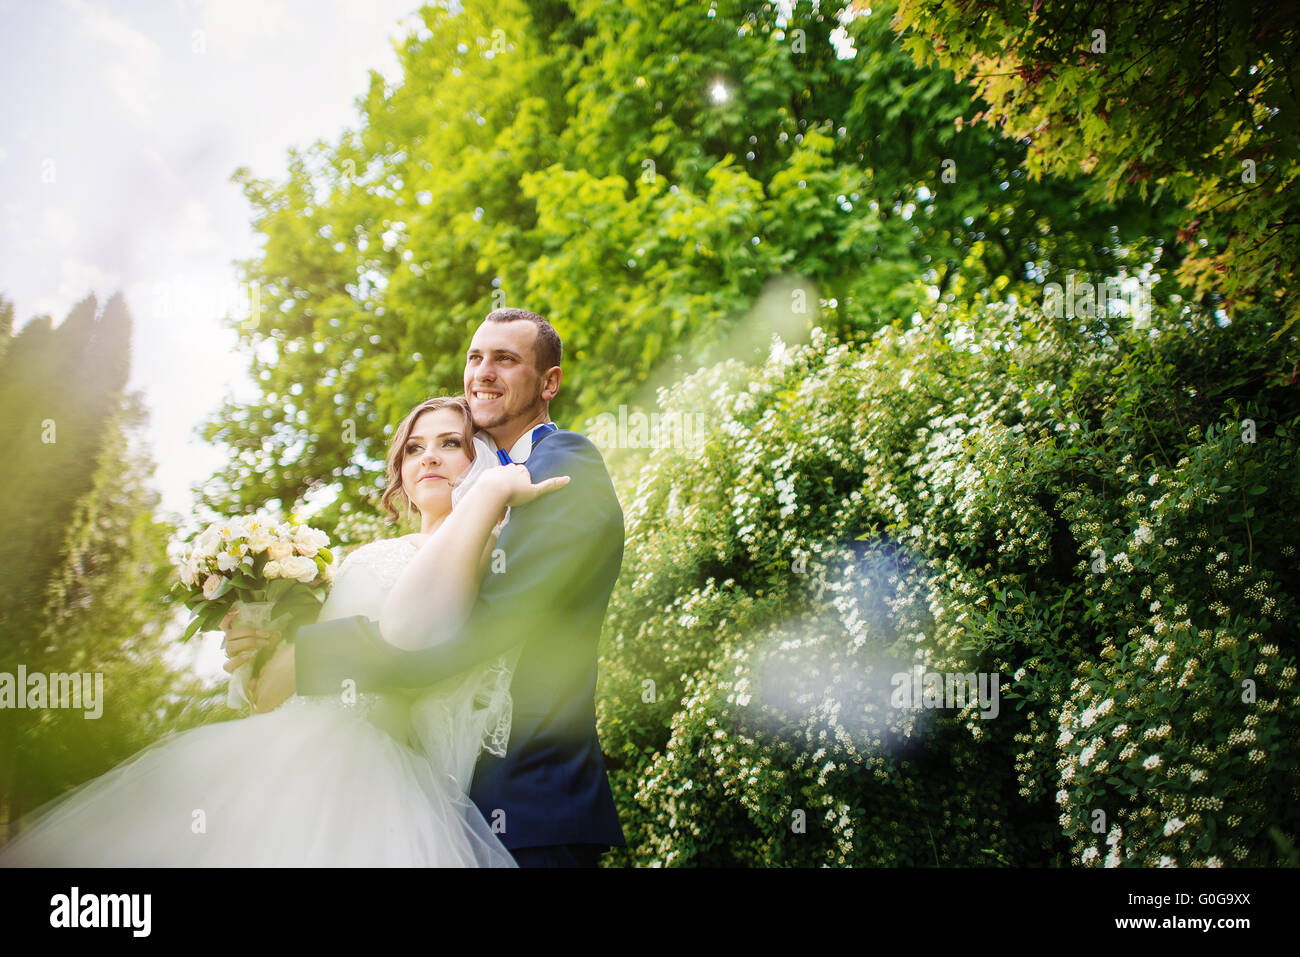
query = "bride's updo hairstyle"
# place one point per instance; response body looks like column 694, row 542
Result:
column 393, row 491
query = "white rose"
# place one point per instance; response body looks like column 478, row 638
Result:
column 279, row 551
column 211, row 585
column 274, row 569
column 300, row 567
column 309, row 540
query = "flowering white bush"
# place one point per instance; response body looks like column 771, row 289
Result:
column 1070, row 509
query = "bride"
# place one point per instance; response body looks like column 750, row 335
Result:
column 339, row 780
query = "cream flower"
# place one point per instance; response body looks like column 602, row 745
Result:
column 279, row 551
column 260, row 540
column 308, row 541
column 300, row 567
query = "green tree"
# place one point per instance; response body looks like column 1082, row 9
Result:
column 642, row 174
column 1190, row 103
column 85, row 559
column 59, row 387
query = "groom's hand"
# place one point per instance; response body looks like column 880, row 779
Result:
column 275, row 683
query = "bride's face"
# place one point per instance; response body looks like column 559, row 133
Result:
column 435, row 457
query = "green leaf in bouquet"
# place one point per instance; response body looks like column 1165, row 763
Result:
column 279, row 588
column 327, row 555
column 300, row 604
column 212, row 614
column 241, row 579
column 192, row 629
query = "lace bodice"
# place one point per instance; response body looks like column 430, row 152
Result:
column 379, row 564
column 455, row 719
column 386, row 558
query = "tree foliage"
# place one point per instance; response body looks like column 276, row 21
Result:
column 642, row 174
column 84, row 558
column 1194, row 103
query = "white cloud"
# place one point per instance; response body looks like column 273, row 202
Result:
column 236, row 28
column 131, row 67
column 146, row 131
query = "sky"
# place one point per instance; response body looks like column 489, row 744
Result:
column 119, row 131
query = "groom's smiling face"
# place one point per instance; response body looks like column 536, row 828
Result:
column 502, row 382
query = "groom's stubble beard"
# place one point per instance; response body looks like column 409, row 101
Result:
column 521, row 413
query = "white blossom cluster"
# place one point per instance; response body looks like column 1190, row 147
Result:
column 297, row 552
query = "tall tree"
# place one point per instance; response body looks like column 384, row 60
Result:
column 60, row 388
column 640, row 174
column 84, row 558
column 1193, row 103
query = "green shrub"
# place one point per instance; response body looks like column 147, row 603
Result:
column 1047, row 502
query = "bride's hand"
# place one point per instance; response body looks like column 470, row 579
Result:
column 517, row 486
column 242, row 643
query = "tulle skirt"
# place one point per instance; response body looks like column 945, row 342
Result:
column 312, row 784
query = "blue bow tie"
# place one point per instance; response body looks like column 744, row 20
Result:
column 544, row 429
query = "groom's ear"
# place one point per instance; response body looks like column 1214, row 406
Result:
column 551, row 383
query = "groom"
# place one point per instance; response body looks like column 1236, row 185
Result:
column 548, row 799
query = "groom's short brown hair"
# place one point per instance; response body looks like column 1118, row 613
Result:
column 547, row 349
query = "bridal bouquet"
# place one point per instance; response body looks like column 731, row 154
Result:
column 274, row 577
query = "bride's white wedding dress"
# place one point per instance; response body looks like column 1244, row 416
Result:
column 317, row 782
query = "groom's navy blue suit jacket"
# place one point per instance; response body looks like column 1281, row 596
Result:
column 562, row 555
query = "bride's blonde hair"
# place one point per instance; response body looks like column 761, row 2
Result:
column 393, row 491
